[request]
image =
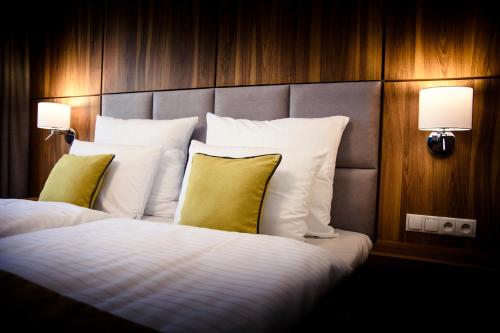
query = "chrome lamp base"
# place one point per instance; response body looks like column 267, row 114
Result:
column 441, row 143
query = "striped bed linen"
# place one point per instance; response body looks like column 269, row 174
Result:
column 350, row 246
column 176, row 278
column 19, row 216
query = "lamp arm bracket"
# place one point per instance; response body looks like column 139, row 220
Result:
column 52, row 132
column 69, row 134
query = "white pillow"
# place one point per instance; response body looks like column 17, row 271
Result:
column 172, row 135
column 128, row 179
column 285, row 204
column 292, row 133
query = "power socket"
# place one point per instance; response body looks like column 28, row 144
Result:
column 441, row 225
column 465, row 228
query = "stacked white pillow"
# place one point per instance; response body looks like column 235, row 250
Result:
column 285, row 203
column 128, row 180
column 290, row 133
column 172, row 136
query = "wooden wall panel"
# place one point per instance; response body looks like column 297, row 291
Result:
column 441, row 39
column 351, row 43
column 66, row 48
column 464, row 185
column 44, row 154
column 153, row 45
column 268, row 42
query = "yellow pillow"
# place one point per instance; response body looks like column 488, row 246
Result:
column 227, row 193
column 76, row 179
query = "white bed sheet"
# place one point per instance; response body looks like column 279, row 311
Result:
column 20, row 216
column 177, row 278
column 351, row 247
column 162, row 219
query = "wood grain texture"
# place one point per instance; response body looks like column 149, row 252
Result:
column 66, row 47
column 153, row 45
column 464, row 185
column 441, row 39
column 283, row 41
column 437, row 254
column 44, row 154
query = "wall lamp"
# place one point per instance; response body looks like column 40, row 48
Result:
column 442, row 110
column 56, row 117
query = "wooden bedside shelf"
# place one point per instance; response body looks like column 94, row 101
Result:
column 437, row 254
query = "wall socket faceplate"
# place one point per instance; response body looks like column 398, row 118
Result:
column 441, row 225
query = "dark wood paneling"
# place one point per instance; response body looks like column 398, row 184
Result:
column 44, row 154
column 66, row 48
column 441, row 39
column 152, row 45
column 267, row 42
column 464, row 185
column 436, row 254
column 351, row 43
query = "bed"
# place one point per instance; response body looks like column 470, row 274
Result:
column 132, row 275
column 21, row 216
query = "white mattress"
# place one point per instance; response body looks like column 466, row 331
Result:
column 177, row 278
column 351, row 247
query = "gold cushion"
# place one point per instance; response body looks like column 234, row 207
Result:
column 227, row 193
column 76, row 179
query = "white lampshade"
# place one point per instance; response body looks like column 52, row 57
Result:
column 448, row 108
column 54, row 115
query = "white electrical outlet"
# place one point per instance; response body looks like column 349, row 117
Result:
column 465, row 228
column 441, row 225
column 447, row 227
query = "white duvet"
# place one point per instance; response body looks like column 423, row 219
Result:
column 177, row 278
column 20, row 216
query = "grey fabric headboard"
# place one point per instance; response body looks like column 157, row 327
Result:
column 355, row 187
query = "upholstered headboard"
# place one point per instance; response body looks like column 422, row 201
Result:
column 355, row 187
